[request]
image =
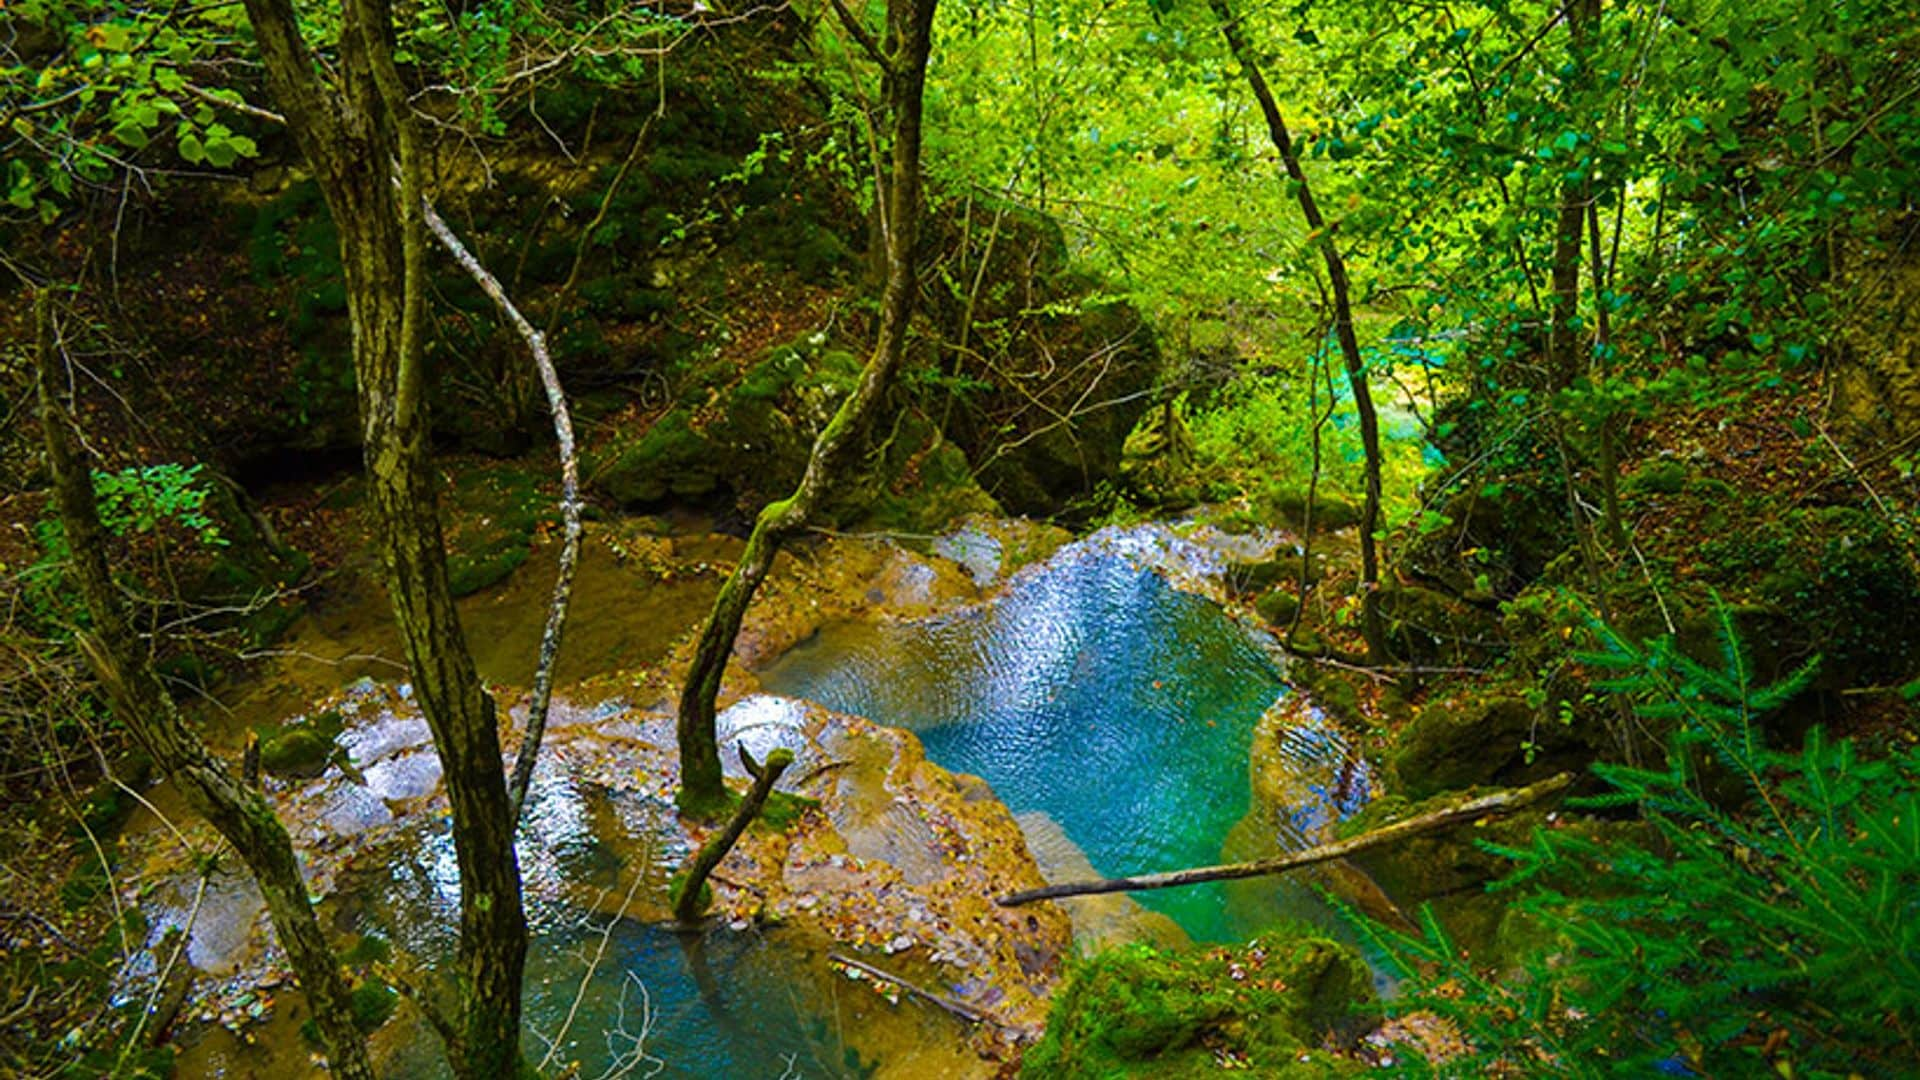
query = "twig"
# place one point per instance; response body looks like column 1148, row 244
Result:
column 862, row 36
column 606, row 933
column 569, row 510
column 1472, row 809
column 963, row 1011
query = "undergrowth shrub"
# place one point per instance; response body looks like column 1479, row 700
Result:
column 1771, row 931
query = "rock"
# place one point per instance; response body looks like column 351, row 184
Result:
column 1488, row 540
column 1266, row 1005
column 1428, row 625
column 745, row 432
column 1277, row 606
column 1454, row 745
column 296, row 752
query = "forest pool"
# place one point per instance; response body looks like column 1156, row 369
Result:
column 1093, row 691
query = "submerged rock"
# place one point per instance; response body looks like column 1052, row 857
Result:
column 881, row 850
column 1101, row 921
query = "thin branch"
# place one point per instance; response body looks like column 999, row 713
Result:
column 861, row 35
column 1460, row 813
column 959, row 1009
column 569, row 510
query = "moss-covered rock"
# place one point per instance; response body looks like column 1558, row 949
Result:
column 1277, row 606
column 1050, row 355
column 1488, row 540
column 743, row 433
column 297, row 752
column 1288, row 506
column 1486, row 739
column 1427, row 625
column 301, row 749
column 1266, row 1006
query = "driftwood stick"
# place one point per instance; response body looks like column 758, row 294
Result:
column 1460, row 813
column 522, row 776
column 964, row 1012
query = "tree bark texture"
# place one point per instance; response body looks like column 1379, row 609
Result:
column 1498, row 802
column 1563, row 352
column 354, row 134
column 910, row 40
column 1322, row 237
column 238, row 812
column 686, row 907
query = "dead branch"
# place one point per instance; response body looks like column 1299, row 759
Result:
column 569, row 510
column 1473, row 809
column 959, row 1009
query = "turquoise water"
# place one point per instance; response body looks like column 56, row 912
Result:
column 657, row 1003
column 1093, row 691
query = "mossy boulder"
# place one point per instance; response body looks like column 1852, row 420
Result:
column 1277, row 606
column 301, row 749
column 1051, row 355
column 1495, row 739
column 1288, row 506
column 744, row 433
column 296, row 752
column 923, row 484
column 1427, row 625
column 1487, row 540
column 1266, row 1006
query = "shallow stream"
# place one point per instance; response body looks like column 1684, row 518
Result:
column 1110, row 709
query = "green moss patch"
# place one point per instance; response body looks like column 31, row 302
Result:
column 1265, row 1006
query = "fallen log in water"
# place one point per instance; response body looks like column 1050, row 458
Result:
column 1470, row 810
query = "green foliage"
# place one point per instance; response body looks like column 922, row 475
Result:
column 1738, row 943
column 1256, row 435
column 91, row 88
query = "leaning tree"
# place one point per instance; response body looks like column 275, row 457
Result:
column 901, row 55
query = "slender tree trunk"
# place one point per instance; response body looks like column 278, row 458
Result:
column 238, row 812
column 1563, row 360
column 1606, row 431
column 687, row 908
column 354, row 134
column 909, row 41
column 1322, row 237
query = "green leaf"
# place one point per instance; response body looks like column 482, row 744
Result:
column 192, row 150
column 130, row 134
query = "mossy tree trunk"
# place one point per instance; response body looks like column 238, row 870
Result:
column 1322, row 237
column 687, row 905
column 903, row 60
column 355, row 131
column 236, row 810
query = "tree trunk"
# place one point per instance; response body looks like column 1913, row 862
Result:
column 237, row 812
column 353, row 134
column 1563, row 360
column 686, row 906
column 910, row 40
column 1370, row 622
